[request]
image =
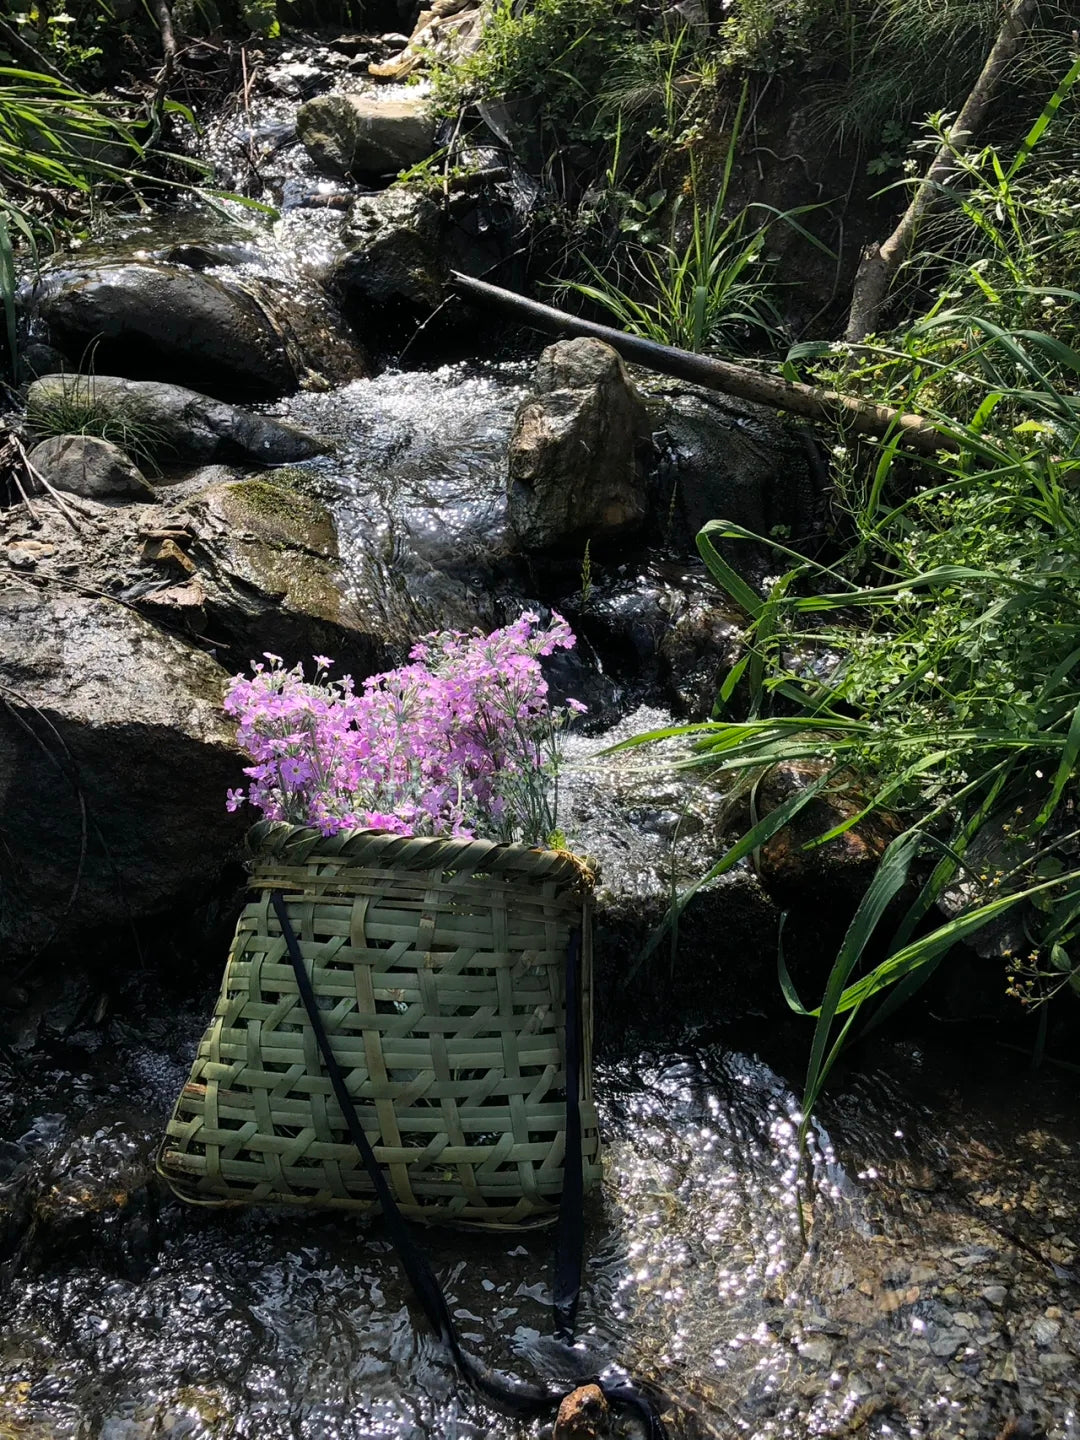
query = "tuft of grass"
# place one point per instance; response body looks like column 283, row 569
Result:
column 704, row 288
column 75, row 410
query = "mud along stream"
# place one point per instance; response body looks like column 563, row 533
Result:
column 937, row 1293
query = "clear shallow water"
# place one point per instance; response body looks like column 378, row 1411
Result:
column 937, row 1296
column 416, row 480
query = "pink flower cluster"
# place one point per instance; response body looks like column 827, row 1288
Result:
column 461, row 741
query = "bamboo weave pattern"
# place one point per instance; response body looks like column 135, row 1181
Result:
column 439, row 968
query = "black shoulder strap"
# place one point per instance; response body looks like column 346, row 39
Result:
column 519, row 1396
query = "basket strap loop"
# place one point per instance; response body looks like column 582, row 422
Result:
column 519, row 1396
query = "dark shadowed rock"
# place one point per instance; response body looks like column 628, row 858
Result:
column 173, row 424
column 577, row 454
column 86, row 465
column 364, row 134
column 168, row 322
column 114, row 761
column 395, row 250
column 795, row 869
column 727, row 459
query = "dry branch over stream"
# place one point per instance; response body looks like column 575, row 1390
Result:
column 861, row 416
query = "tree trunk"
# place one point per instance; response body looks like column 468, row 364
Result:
column 861, row 416
column 880, row 262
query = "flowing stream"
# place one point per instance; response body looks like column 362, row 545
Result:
column 937, row 1295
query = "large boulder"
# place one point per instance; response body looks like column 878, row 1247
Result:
column 168, row 322
column 362, row 134
column 268, row 575
column 578, row 452
column 172, row 424
column 88, row 466
column 114, row 761
column 247, row 561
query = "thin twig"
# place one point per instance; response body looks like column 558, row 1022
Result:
column 35, row 474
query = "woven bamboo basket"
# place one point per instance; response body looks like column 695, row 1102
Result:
column 439, row 970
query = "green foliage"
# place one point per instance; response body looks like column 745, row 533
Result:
column 59, row 151
column 933, row 667
column 75, row 410
column 705, row 288
column 894, row 60
column 601, row 76
column 52, row 137
column 557, row 52
column 1004, row 232
column 881, row 63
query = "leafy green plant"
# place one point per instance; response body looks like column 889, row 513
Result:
column 52, row 137
column 933, row 669
column 704, row 288
column 554, row 52
column 1003, row 230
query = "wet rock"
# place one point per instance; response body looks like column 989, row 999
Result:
column 362, row 134
column 651, row 828
column 172, row 423
column 41, row 359
column 114, row 758
column 659, row 625
column 578, row 451
column 86, row 465
column 836, row 873
column 583, row 1415
column 395, row 250
column 736, row 461
column 247, row 562
column 167, row 322
column 265, row 561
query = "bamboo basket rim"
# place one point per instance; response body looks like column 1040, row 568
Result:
column 294, row 844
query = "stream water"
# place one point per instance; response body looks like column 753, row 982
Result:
column 937, row 1294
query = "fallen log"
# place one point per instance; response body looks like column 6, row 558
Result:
column 851, row 413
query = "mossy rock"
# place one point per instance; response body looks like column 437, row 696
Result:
column 271, row 509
